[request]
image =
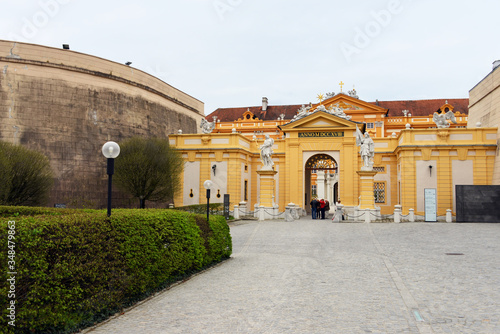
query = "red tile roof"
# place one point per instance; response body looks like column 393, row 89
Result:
column 415, row 107
column 422, row 107
column 272, row 113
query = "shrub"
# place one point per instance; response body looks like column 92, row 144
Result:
column 77, row 267
column 148, row 169
column 25, row 176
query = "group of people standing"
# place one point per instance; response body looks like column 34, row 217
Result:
column 319, row 207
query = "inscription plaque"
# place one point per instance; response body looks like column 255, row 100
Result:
column 320, row 134
column 430, row 205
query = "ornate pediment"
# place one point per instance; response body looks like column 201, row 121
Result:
column 335, row 114
column 332, row 110
column 319, row 120
column 348, row 104
column 340, row 105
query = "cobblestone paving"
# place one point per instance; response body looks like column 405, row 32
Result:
column 315, row 276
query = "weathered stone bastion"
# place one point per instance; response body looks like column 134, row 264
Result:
column 66, row 105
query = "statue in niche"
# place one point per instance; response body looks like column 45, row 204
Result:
column 441, row 119
column 366, row 149
column 206, row 126
column 266, row 151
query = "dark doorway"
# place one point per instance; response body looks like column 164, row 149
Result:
column 319, row 162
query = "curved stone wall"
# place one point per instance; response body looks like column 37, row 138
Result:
column 67, row 104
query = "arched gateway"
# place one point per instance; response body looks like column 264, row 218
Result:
column 321, row 178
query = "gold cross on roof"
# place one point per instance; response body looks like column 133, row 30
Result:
column 341, row 85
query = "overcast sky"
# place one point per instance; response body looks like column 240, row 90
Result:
column 231, row 53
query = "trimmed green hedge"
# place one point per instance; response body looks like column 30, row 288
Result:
column 14, row 211
column 75, row 267
column 214, row 208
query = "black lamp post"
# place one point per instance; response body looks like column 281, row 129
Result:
column 110, row 150
column 208, row 184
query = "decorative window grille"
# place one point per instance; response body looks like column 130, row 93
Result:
column 322, row 162
column 379, row 169
column 379, row 192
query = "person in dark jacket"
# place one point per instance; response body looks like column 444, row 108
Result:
column 313, row 207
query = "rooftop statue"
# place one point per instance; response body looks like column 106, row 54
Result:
column 339, row 112
column 352, row 93
column 321, row 108
column 440, row 119
column 206, row 126
column 301, row 113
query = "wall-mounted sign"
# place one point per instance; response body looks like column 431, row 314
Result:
column 430, row 205
column 226, row 206
column 320, row 134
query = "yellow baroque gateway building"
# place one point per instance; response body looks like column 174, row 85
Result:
column 315, row 154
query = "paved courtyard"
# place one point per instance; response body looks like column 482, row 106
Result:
column 315, row 276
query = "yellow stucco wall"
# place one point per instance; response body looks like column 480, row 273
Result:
column 457, row 156
column 419, row 149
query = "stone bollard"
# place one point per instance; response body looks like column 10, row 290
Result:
column 449, row 217
column 367, row 216
column 243, row 208
column 262, row 213
column 411, row 216
column 290, row 207
column 397, row 213
column 302, row 212
column 256, row 211
column 294, row 211
column 236, row 213
column 289, row 214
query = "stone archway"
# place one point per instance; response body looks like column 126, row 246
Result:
column 321, row 178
